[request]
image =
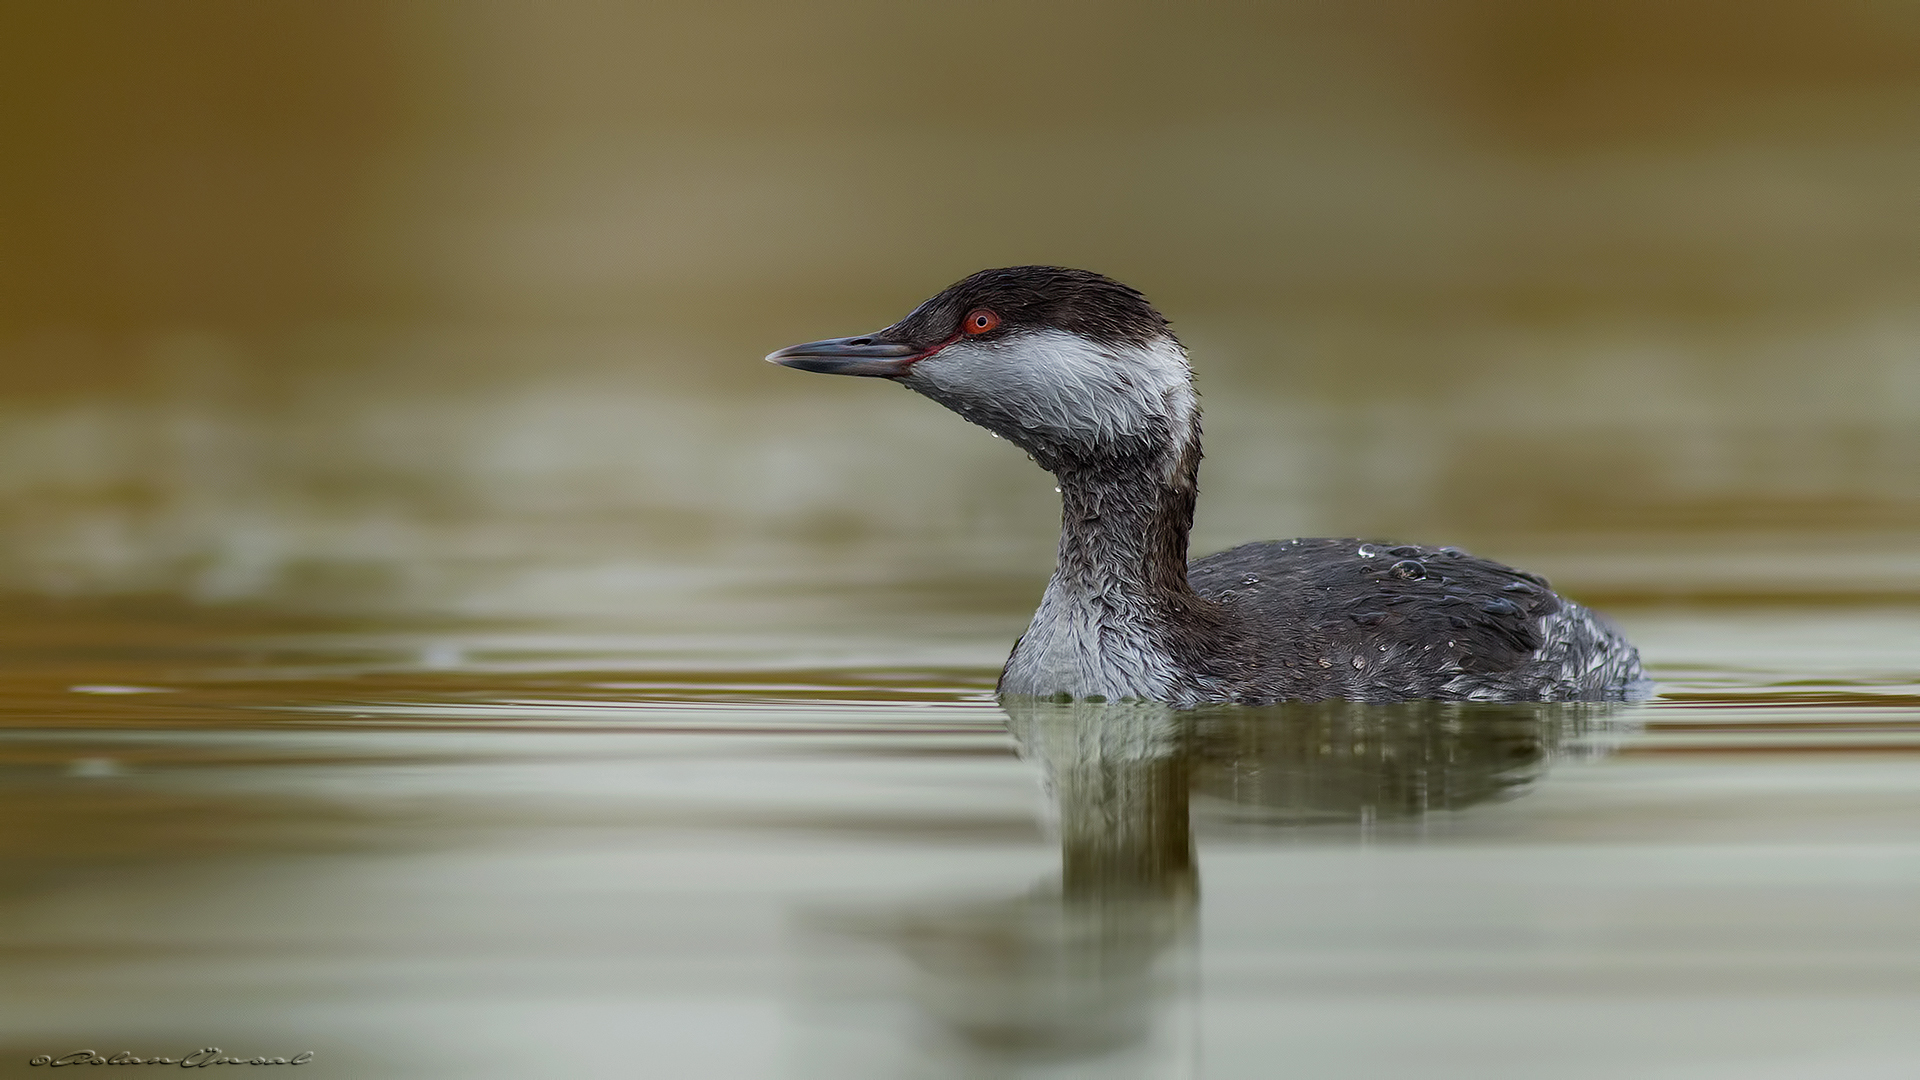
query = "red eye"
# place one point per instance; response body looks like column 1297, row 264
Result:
column 979, row 321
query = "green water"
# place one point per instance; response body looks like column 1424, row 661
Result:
column 486, row 850
column 430, row 636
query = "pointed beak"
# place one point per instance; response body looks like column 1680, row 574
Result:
column 868, row 355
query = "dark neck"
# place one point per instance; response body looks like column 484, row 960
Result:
column 1119, row 621
column 1123, row 530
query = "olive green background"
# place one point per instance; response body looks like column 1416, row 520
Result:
column 459, row 306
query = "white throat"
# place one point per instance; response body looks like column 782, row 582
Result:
column 1055, row 388
column 1118, row 424
column 1086, row 647
column 1128, row 419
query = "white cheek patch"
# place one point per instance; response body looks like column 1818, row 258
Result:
column 1063, row 386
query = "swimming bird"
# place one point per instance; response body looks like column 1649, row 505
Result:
column 1087, row 377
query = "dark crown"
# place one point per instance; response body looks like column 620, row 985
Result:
column 1081, row 302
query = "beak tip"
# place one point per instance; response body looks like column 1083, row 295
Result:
column 846, row 356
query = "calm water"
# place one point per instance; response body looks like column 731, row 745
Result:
column 548, row 687
column 489, row 850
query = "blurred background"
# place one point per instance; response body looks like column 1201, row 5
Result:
column 459, row 307
column 430, row 635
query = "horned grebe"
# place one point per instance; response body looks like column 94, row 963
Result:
column 1084, row 375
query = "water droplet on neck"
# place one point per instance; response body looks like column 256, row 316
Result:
column 1056, row 491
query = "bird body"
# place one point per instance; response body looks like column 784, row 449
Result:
column 1082, row 373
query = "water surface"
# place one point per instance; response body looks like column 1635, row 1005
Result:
column 464, row 849
column 430, row 636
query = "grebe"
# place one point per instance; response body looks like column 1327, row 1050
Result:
column 1084, row 375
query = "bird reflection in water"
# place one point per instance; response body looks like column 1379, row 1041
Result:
column 1349, row 762
column 1098, row 968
